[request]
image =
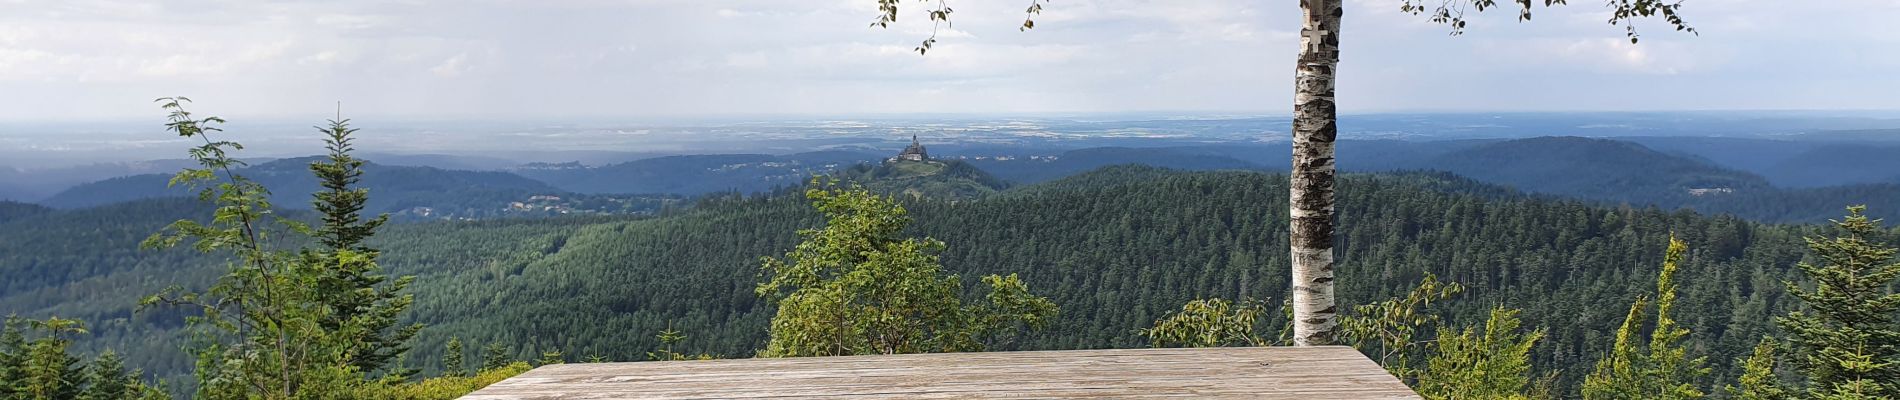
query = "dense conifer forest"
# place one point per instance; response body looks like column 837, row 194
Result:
column 1115, row 249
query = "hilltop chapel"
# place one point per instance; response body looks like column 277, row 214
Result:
column 913, row 153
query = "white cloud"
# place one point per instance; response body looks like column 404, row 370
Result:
column 748, row 60
column 1605, row 55
column 322, row 57
column 452, row 67
column 349, row 21
column 95, row 58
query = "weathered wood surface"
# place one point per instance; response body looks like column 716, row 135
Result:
column 1330, row 372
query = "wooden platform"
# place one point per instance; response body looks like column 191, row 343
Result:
column 1233, row 372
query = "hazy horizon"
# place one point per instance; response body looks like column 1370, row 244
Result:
column 40, row 145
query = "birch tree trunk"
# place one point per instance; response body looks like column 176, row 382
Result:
column 1311, row 201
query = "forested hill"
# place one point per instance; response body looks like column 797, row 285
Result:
column 22, row 183
column 1612, row 172
column 1591, row 168
column 943, row 180
column 1836, row 164
column 396, row 188
column 1696, row 173
column 12, row 210
column 1116, row 249
column 1618, row 172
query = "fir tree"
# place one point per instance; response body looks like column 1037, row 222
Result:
column 550, row 357
column 494, row 356
column 452, row 359
column 50, row 373
column 44, row 367
column 108, row 378
column 1490, row 364
column 354, row 287
column 1846, row 338
column 1620, row 374
column 1758, row 380
column 668, row 338
column 13, row 353
column 1660, row 369
column 340, row 201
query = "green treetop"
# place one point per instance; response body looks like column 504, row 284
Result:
column 1758, row 381
column 857, row 287
column 1488, row 363
column 278, row 324
column 351, row 281
column 452, row 359
column 1846, row 338
column 1659, row 370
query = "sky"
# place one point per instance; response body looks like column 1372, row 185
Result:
column 64, row 60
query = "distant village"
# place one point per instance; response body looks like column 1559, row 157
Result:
column 542, row 205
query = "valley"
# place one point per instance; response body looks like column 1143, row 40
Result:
column 1114, row 247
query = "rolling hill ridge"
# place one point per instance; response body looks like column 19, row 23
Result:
column 1115, row 248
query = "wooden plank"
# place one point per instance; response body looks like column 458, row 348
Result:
column 1329, row 372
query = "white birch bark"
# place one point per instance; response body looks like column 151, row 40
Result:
column 1311, row 201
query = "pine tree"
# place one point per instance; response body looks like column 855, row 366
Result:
column 668, row 338
column 108, row 378
column 452, row 359
column 549, row 358
column 495, row 356
column 1620, row 374
column 1758, row 380
column 1846, row 338
column 13, row 353
column 354, row 287
column 1492, row 364
column 51, row 373
column 1660, row 369
column 340, row 201
column 44, row 368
